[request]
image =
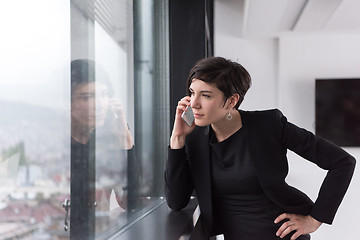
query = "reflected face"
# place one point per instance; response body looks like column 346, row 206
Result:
column 207, row 102
column 89, row 105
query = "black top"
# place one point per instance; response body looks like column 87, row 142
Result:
column 83, row 181
column 241, row 209
column 82, row 215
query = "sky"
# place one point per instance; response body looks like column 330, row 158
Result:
column 35, row 52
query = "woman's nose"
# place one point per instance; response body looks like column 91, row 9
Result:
column 194, row 102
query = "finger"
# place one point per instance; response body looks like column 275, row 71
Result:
column 186, row 100
column 182, row 108
column 115, row 101
column 115, row 105
column 295, row 236
column 283, row 228
column 288, row 230
column 115, row 108
column 281, row 217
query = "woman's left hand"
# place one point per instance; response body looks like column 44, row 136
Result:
column 296, row 222
column 118, row 124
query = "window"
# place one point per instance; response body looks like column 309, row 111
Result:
column 84, row 126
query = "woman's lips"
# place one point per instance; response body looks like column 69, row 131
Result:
column 197, row 115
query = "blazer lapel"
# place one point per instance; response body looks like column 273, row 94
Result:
column 270, row 162
column 198, row 147
column 258, row 151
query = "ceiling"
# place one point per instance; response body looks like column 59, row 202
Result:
column 269, row 18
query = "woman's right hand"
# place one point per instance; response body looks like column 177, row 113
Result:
column 180, row 129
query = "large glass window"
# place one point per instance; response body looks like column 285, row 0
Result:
column 84, row 126
column 35, row 118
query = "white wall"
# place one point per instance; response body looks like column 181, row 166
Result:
column 305, row 57
column 259, row 57
column 283, row 72
column 302, row 59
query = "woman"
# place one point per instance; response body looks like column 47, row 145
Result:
column 236, row 162
column 102, row 151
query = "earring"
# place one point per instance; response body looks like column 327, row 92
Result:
column 228, row 116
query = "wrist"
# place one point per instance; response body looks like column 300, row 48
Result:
column 315, row 220
column 177, row 142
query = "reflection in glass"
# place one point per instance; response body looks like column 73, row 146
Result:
column 70, row 116
column 101, row 146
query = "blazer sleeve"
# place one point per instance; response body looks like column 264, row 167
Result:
column 339, row 165
column 178, row 180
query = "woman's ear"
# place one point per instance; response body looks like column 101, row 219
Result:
column 232, row 101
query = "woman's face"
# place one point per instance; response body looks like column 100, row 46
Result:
column 207, row 102
column 89, row 105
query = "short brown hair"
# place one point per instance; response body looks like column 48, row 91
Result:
column 83, row 71
column 229, row 77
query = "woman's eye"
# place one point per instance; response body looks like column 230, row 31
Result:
column 192, row 93
column 87, row 97
column 206, row 96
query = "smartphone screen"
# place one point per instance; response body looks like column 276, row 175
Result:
column 188, row 116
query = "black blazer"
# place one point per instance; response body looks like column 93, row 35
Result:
column 269, row 135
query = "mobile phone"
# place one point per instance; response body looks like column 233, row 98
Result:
column 188, row 116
